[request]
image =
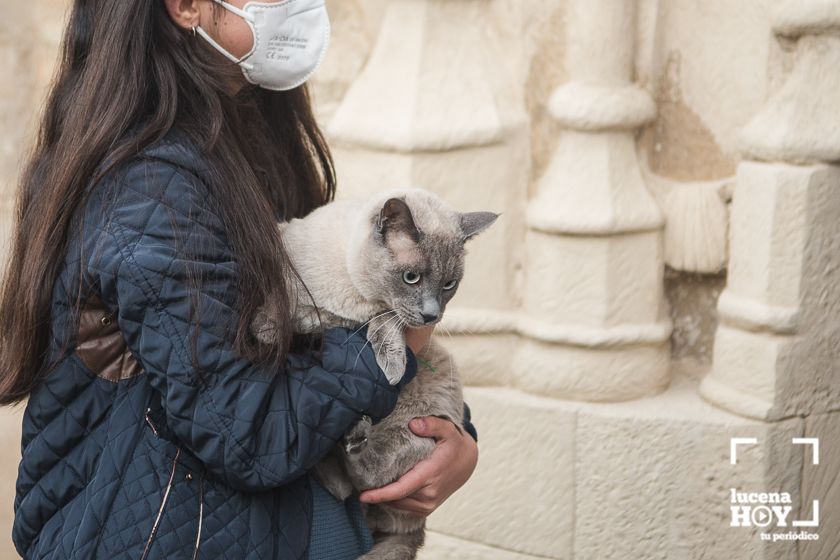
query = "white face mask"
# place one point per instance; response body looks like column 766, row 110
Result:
column 290, row 41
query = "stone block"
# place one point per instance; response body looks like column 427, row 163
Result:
column 777, row 352
column 743, row 378
column 769, row 230
column 521, row 496
column 648, row 479
column 653, row 479
column 822, row 482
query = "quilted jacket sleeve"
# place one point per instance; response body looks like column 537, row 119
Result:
column 254, row 427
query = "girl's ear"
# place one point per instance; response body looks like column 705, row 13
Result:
column 185, row 13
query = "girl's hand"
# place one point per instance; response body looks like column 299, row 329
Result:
column 418, row 337
column 422, row 489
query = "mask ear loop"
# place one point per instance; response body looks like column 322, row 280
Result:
column 238, row 11
column 216, row 45
column 241, row 13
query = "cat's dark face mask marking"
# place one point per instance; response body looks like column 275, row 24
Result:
column 423, row 269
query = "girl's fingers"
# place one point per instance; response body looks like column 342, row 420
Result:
column 408, row 484
column 414, row 506
column 433, row 427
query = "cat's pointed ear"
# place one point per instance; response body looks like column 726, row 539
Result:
column 395, row 219
column 473, row 223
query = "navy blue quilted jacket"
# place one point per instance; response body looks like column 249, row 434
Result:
column 152, row 437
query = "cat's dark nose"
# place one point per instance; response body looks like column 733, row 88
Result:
column 429, row 317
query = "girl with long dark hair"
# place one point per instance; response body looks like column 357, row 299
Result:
column 176, row 134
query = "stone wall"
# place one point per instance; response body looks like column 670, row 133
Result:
column 664, row 275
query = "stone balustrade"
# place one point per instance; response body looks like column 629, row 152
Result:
column 777, row 352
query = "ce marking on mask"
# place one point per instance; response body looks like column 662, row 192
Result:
column 283, row 47
column 772, row 510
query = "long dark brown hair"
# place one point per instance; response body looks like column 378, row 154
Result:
column 127, row 76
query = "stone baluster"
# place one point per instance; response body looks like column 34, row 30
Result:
column 436, row 107
column 594, row 326
column 777, row 349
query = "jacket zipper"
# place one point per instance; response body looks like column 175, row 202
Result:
column 162, row 505
column 150, row 423
column 200, row 516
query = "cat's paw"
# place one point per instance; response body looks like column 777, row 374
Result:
column 393, row 365
column 388, row 343
column 356, row 439
column 332, row 475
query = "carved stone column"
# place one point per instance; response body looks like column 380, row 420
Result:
column 595, row 326
column 777, row 350
column 436, row 107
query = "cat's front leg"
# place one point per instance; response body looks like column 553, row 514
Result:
column 387, row 339
column 332, row 475
column 396, row 546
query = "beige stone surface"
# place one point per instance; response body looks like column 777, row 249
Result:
column 658, row 487
column 521, row 496
column 602, row 373
column 822, row 482
column 706, row 62
column 592, row 212
column 443, row 547
column 778, row 348
column 644, row 479
column 10, row 425
column 777, row 351
column 16, row 56
column 692, row 300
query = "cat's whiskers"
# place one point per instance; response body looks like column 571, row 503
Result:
column 363, row 325
column 362, row 349
column 444, row 329
column 377, row 329
column 449, row 356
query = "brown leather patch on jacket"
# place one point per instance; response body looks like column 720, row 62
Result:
column 100, row 343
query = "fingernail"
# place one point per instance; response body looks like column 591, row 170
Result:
column 417, row 424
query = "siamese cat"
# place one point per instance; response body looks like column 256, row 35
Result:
column 392, row 261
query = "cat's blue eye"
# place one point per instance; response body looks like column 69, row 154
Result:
column 410, row 277
column 449, row 285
